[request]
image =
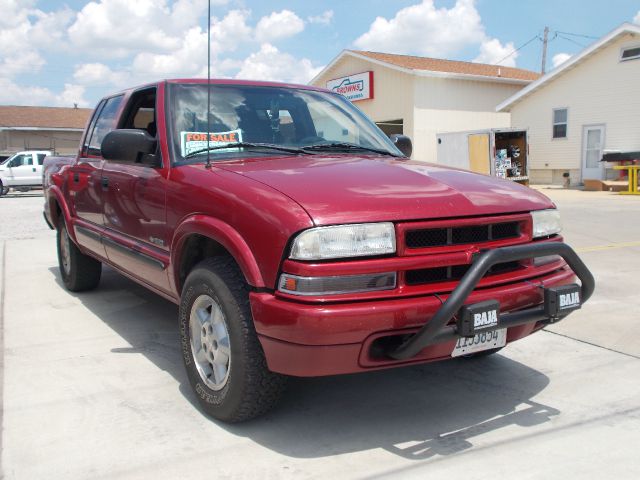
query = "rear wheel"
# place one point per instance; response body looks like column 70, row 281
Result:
column 79, row 271
column 220, row 348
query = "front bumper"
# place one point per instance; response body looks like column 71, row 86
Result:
column 304, row 339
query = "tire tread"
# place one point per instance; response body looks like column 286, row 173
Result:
column 263, row 388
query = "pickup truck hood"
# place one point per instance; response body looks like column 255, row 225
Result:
column 341, row 189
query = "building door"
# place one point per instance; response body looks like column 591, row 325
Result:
column 592, row 146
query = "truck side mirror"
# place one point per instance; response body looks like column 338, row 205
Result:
column 402, row 143
column 130, row 146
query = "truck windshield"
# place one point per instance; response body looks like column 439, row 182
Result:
column 258, row 118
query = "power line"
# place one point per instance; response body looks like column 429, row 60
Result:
column 577, row 35
column 571, row 40
column 519, row 48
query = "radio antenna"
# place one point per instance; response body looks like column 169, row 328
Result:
column 208, row 165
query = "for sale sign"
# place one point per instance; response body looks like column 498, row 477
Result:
column 358, row 86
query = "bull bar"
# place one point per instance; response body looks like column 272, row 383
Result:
column 437, row 329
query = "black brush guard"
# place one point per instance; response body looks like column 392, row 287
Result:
column 437, row 330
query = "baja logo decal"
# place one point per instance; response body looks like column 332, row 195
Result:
column 569, row 300
column 485, row 319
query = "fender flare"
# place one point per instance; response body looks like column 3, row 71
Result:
column 222, row 233
column 55, row 195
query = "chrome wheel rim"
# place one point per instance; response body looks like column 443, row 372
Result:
column 210, row 344
column 65, row 250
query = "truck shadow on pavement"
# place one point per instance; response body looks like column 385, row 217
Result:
column 416, row 412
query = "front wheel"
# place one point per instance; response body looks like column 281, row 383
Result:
column 220, row 348
column 3, row 190
column 79, row 271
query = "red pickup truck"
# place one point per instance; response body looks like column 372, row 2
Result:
column 298, row 239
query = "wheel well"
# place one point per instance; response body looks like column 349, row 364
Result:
column 56, row 212
column 195, row 249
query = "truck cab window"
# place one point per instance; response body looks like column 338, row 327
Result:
column 105, row 122
column 21, row 160
column 141, row 112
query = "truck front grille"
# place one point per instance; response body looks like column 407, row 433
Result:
column 440, row 237
column 452, row 273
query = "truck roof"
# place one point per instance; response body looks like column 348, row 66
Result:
column 224, row 81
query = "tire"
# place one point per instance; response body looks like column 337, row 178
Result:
column 3, row 190
column 79, row 272
column 223, row 357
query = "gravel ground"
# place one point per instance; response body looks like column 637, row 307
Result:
column 21, row 216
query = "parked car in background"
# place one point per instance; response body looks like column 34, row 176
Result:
column 22, row 170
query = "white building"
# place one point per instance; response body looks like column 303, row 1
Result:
column 589, row 104
column 421, row 97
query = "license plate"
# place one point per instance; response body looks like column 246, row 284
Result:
column 480, row 342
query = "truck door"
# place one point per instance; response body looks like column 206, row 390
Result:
column 85, row 176
column 136, row 237
column 21, row 170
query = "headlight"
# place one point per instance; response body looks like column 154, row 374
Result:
column 342, row 241
column 546, row 223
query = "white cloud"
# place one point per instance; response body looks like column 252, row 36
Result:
column 118, row 28
column 99, row 74
column 25, row 32
column 14, row 94
column 636, row 19
column 271, row 64
column 559, row 58
column 71, row 95
column 324, row 18
column 426, row 30
column 21, row 61
column 187, row 59
column 278, row 25
column 492, row 52
column 231, row 31
column 121, row 43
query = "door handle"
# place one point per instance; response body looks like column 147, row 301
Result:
column 34, row 169
column 105, row 183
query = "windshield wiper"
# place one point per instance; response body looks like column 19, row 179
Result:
column 347, row 146
column 269, row 146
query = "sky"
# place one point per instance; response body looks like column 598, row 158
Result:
column 61, row 53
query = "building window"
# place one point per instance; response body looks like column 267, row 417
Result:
column 631, row 53
column 560, row 123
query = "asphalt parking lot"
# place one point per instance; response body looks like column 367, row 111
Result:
column 93, row 385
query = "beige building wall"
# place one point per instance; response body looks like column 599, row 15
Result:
column 392, row 91
column 63, row 142
column 600, row 90
column 427, row 104
column 452, row 105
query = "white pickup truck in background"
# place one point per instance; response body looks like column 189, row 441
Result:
column 22, row 170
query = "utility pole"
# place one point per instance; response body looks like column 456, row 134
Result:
column 544, row 49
